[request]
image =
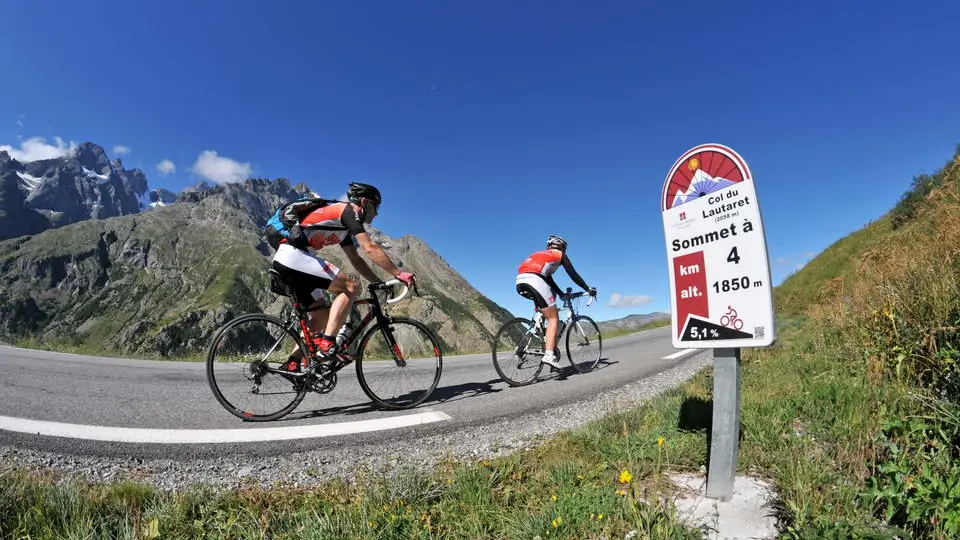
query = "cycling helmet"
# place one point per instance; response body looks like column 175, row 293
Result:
column 557, row 242
column 358, row 191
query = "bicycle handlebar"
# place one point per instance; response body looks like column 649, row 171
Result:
column 389, row 284
column 571, row 295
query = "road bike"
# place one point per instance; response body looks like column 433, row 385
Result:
column 523, row 341
column 249, row 343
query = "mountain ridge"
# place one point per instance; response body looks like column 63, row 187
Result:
column 160, row 282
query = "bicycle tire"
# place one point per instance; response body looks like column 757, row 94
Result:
column 362, row 348
column 211, row 378
column 570, row 330
column 496, row 364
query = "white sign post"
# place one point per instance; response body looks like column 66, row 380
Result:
column 720, row 291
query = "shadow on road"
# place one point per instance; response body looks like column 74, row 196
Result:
column 456, row 392
column 563, row 373
column 443, row 394
column 346, row 410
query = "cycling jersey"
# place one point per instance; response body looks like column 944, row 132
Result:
column 544, row 262
column 535, row 276
column 337, row 223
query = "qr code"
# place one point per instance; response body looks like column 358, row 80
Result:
column 758, row 331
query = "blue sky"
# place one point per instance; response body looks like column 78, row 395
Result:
column 490, row 125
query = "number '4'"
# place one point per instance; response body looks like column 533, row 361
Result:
column 733, row 257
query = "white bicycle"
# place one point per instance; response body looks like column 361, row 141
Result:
column 520, row 343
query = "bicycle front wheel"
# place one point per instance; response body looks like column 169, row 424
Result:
column 517, row 350
column 584, row 345
column 245, row 368
column 399, row 365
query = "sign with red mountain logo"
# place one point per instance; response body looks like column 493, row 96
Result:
column 720, row 290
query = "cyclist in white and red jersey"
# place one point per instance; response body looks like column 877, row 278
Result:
column 309, row 275
column 535, row 282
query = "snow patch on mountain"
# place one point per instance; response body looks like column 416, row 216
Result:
column 29, row 182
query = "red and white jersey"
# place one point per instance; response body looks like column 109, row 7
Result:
column 543, row 262
column 333, row 224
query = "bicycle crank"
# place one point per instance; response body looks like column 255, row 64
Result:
column 323, row 380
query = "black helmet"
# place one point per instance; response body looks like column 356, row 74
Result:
column 358, row 191
column 556, row 241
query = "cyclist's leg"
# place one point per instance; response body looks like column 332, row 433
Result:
column 553, row 322
column 534, row 287
column 311, row 278
column 551, row 312
column 346, row 290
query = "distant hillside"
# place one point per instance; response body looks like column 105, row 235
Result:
column 160, row 282
column 914, row 235
column 632, row 322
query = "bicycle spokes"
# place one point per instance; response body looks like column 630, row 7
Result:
column 584, row 343
column 517, row 351
column 400, row 363
column 248, row 367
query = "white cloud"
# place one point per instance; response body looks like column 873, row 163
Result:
column 166, row 167
column 20, row 119
column 782, row 261
column 121, row 149
column 618, row 300
column 221, row 170
column 36, row 148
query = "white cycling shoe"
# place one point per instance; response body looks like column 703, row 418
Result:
column 551, row 359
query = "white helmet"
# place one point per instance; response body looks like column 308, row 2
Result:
column 556, row 241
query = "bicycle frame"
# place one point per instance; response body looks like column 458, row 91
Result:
column 376, row 312
column 565, row 306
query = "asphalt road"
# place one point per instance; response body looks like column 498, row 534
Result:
column 77, row 399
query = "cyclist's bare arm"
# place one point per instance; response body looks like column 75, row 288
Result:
column 359, row 263
column 376, row 254
column 568, row 266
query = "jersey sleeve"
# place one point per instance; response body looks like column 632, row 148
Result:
column 352, row 222
column 568, row 266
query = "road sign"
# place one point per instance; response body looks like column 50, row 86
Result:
column 720, row 291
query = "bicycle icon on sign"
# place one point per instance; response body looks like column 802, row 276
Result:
column 731, row 319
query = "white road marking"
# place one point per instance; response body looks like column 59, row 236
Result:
column 202, row 436
column 678, row 354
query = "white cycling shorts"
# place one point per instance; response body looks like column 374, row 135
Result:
column 310, row 276
column 540, row 288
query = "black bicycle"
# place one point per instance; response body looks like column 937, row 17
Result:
column 258, row 346
column 520, row 343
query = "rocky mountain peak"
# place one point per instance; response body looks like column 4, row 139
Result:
column 80, row 185
column 93, row 157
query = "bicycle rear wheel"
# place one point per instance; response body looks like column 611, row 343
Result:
column 245, row 361
column 399, row 366
column 517, row 350
column 584, row 343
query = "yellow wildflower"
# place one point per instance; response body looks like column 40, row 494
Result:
column 659, row 441
column 625, row 476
